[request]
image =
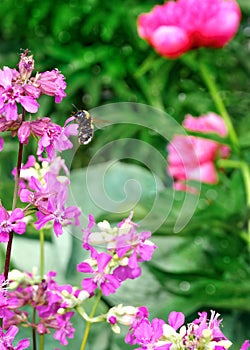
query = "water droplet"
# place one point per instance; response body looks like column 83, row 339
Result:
column 224, row 243
column 184, row 286
column 211, row 194
column 210, row 289
column 89, row 57
column 226, row 259
column 246, row 31
column 198, row 240
column 182, row 96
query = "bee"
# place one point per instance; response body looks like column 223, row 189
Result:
column 85, row 126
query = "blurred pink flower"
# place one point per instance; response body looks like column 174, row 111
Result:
column 191, row 157
column 245, row 345
column 176, row 27
column 210, row 122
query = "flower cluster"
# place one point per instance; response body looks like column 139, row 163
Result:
column 47, row 191
column 179, row 26
column 203, row 333
column 18, row 87
column 193, row 157
column 52, row 302
column 126, row 248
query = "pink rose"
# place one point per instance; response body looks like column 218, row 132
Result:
column 177, row 27
column 193, row 158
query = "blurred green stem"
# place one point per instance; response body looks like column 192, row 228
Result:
column 88, row 324
column 245, row 170
column 153, row 99
column 151, row 90
column 41, row 233
column 146, row 65
column 210, row 82
column 41, row 342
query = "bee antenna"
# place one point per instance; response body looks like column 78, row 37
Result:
column 75, row 107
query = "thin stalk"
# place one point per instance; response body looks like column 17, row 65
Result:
column 245, row 170
column 211, row 85
column 239, row 164
column 41, row 233
column 88, row 325
column 14, row 203
column 41, row 342
column 34, row 330
column 147, row 65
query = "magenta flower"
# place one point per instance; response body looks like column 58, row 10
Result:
column 210, row 122
column 148, row 334
column 7, row 338
column 193, row 158
column 176, row 319
column 65, row 329
column 12, row 92
column 102, row 277
column 177, row 27
column 245, row 345
column 52, row 83
column 212, row 324
column 54, row 210
column 11, row 222
column 55, row 138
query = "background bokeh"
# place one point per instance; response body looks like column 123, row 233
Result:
column 96, row 46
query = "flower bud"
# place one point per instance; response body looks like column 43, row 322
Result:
column 26, row 65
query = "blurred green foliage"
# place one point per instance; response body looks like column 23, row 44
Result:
column 96, row 46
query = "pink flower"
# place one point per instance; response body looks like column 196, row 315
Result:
column 54, row 208
column 210, row 122
column 12, row 92
column 176, row 319
column 176, row 27
column 11, row 222
column 65, row 329
column 52, row 83
column 193, row 158
column 245, row 345
column 102, row 277
column 55, row 138
column 7, row 338
column 147, row 334
column 212, row 324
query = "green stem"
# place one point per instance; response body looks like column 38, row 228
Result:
column 41, row 342
column 239, row 164
column 210, row 82
column 41, row 232
column 146, row 65
column 88, row 324
column 245, row 170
